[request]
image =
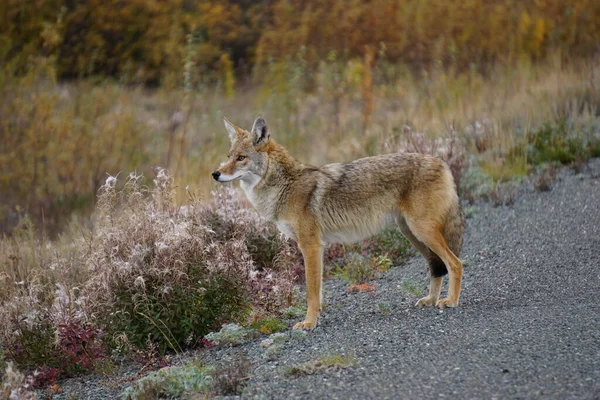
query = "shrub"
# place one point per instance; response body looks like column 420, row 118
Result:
column 391, row 244
column 171, row 382
column 361, row 267
column 174, row 275
column 355, row 269
column 230, row 334
column 149, row 273
column 544, row 176
column 50, row 339
column 476, row 184
column 504, row 193
column 269, row 325
column 560, row 142
column 385, row 249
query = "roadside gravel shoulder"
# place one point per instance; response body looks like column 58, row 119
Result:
column 528, row 325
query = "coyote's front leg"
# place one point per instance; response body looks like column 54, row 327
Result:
column 312, row 250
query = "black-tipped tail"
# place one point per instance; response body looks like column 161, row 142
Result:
column 437, row 266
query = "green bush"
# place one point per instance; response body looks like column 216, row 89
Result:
column 230, row 334
column 269, row 325
column 476, row 184
column 390, row 243
column 180, row 318
column 356, row 268
column 172, row 382
column 377, row 253
column 555, row 142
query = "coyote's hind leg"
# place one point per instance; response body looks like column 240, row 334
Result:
column 435, row 241
column 437, row 269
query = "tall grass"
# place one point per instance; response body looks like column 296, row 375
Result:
column 61, row 140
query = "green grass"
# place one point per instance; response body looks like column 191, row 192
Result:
column 172, row 382
column 268, row 325
column 411, row 289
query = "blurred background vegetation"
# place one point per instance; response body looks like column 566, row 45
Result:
column 91, row 88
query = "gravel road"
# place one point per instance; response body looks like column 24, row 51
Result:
column 528, row 325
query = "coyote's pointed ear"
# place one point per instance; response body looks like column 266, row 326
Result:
column 231, row 128
column 260, row 131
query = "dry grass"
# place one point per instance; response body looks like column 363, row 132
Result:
column 439, row 112
column 14, row 385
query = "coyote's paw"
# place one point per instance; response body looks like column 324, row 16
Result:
column 306, row 324
column 446, row 302
column 427, row 301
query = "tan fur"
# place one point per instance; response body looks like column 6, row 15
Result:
column 349, row 202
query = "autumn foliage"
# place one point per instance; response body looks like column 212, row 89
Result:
column 144, row 41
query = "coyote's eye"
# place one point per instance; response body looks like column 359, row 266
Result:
column 241, row 158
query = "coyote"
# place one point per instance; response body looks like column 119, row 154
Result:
column 348, row 202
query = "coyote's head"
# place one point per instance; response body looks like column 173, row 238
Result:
column 245, row 160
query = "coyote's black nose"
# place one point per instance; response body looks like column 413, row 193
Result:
column 216, row 175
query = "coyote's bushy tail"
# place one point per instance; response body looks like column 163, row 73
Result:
column 454, row 230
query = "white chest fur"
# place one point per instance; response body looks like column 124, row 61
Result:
column 263, row 200
column 287, row 229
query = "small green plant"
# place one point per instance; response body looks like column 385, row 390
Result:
column 298, row 334
column 470, row 211
column 269, row 325
column 556, row 142
column 274, row 351
column 172, row 382
column 384, row 308
column 359, row 268
column 504, row 193
column 356, row 268
column 326, row 363
column 382, row 263
column 293, row 312
column 410, row 288
column 475, row 184
column 544, row 176
column 389, row 247
column 384, row 250
column 230, row 334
